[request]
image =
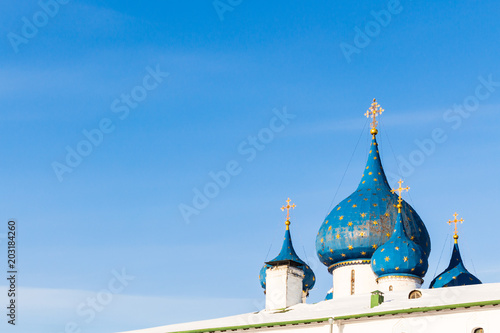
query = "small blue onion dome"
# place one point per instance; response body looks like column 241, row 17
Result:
column 288, row 256
column 329, row 295
column 262, row 275
column 400, row 255
column 364, row 221
column 456, row 274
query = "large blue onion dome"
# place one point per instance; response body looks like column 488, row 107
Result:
column 400, row 255
column 364, row 221
column 456, row 274
column 288, row 256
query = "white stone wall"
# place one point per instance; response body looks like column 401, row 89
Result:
column 398, row 283
column 445, row 321
column 283, row 287
column 365, row 281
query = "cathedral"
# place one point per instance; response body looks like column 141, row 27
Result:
column 376, row 247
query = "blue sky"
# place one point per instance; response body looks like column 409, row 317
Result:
column 218, row 83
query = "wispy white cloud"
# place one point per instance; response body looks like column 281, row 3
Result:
column 124, row 312
column 411, row 118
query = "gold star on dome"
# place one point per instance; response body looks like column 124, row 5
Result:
column 343, row 255
column 405, row 259
column 363, row 214
column 338, row 236
column 349, row 224
column 374, row 246
column 397, row 268
column 387, row 258
column 341, row 218
column 364, row 253
column 362, row 234
column 375, row 222
column 350, row 247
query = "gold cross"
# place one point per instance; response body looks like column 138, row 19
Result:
column 287, row 207
column 374, row 111
column 456, row 221
column 400, row 191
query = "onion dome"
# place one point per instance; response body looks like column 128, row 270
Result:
column 262, row 275
column 456, row 274
column 364, row 221
column 329, row 295
column 288, row 256
column 400, row 255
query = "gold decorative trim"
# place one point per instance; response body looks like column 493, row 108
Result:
column 331, row 268
column 401, row 276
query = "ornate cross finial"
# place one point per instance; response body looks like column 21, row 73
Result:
column 400, row 191
column 287, row 207
column 456, row 221
column 374, row 111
